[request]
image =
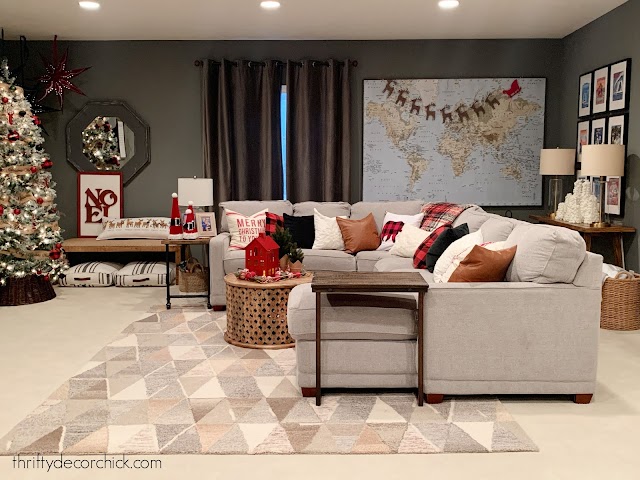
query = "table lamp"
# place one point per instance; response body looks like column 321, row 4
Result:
column 603, row 161
column 556, row 162
column 198, row 191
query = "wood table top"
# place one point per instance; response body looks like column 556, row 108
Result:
column 583, row 227
column 76, row 245
column 368, row 282
column 182, row 241
column 231, row 279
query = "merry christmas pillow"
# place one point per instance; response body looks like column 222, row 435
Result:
column 244, row 229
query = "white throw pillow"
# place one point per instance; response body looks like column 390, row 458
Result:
column 144, row 274
column 328, row 233
column 90, row 274
column 244, row 229
column 408, row 241
column 454, row 254
column 413, row 220
column 155, row 228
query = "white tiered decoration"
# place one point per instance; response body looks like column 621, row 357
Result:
column 581, row 206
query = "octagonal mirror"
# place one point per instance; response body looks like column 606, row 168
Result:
column 108, row 136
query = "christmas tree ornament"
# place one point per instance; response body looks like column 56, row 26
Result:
column 57, row 77
column 34, row 169
column 1, row 210
column 47, row 163
column 190, row 232
column 16, row 211
column 175, row 229
column 39, row 200
column 5, row 100
column 13, row 136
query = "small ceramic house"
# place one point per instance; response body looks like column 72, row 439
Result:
column 261, row 256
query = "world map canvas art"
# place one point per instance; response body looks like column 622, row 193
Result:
column 458, row 140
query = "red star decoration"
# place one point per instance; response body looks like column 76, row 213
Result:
column 57, row 76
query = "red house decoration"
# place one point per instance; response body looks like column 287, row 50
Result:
column 261, row 256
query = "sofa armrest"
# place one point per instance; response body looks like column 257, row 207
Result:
column 218, row 247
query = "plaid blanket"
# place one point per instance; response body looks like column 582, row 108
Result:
column 442, row 213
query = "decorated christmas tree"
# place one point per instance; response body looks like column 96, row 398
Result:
column 100, row 144
column 31, row 254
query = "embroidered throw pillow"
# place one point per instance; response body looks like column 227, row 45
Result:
column 155, row 228
column 484, row 265
column 302, row 229
column 392, row 225
column 244, row 228
column 144, row 274
column 272, row 222
column 327, row 232
column 449, row 237
column 90, row 274
column 408, row 240
column 359, row 235
column 420, row 255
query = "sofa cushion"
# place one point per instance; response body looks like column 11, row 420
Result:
column 233, row 261
column 408, row 240
column 360, row 322
column 359, row 235
column 393, row 262
column 484, row 265
column 453, row 252
column 327, row 233
column 444, row 241
column 474, row 217
column 379, row 209
column 302, row 229
column 366, row 261
column 497, row 229
column 244, row 229
column 329, row 209
column 249, row 207
column 393, row 224
column 336, row 260
column 545, row 254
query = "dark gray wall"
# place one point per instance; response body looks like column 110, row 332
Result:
column 160, row 82
column 610, row 38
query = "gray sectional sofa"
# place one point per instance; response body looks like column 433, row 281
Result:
column 534, row 334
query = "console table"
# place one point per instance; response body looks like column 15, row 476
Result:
column 615, row 232
column 367, row 282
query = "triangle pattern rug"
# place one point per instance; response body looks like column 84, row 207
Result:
column 170, row 384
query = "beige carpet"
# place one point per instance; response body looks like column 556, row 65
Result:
column 170, row 384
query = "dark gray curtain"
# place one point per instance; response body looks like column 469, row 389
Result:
column 242, row 146
column 318, row 131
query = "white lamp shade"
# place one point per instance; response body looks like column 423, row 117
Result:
column 557, row 161
column 603, row 160
column 196, row 190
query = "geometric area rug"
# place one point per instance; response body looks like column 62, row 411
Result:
column 170, row 384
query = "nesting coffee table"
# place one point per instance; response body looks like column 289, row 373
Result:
column 257, row 312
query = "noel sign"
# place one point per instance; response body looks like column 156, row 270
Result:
column 99, row 196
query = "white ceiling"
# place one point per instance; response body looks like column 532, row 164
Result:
column 298, row 19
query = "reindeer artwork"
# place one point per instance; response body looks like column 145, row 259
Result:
column 446, row 115
column 492, row 101
column 415, row 108
column 478, row 108
column 137, row 224
column 430, row 111
column 389, row 88
column 463, row 114
column 402, row 99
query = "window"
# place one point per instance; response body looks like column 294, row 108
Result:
column 283, row 139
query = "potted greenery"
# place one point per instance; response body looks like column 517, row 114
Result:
column 295, row 258
column 282, row 236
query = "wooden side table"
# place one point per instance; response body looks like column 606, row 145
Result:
column 366, row 282
column 615, row 232
column 171, row 245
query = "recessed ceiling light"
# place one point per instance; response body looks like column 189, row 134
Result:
column 448, row 4
column 270, row 5
column 89, row 5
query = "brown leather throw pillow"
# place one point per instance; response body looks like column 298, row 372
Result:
column 359, row 235
column 483, row 265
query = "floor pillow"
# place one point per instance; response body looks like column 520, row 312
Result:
column 448, row 237
column 302, row 229
column 359, row 235
column 393, row 224
column 90, row 274
column 408, row 240
column 243, row 228
column 144, row 274
column 327, row 232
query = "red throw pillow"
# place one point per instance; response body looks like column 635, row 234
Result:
column 272, row 222
column 420, row 257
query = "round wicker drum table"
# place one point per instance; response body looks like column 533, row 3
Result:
column 257, row 312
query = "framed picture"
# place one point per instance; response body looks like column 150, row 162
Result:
column 598, row 131
column 585, row 88
column 616, row 186
column 600, row 90
column 617, row 130
column 619, row 85
column 100, row 195
column 206, row 224
column 613, row 196
column 584, row 137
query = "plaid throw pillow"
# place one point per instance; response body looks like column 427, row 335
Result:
column 272, row 222
column 420, row 257
column 390, row 231
column 438, row 214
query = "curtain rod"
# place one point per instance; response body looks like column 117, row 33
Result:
column 354, row 63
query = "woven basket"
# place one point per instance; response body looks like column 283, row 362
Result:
column 620, row 308
column 25, row 291
column 194, row 278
